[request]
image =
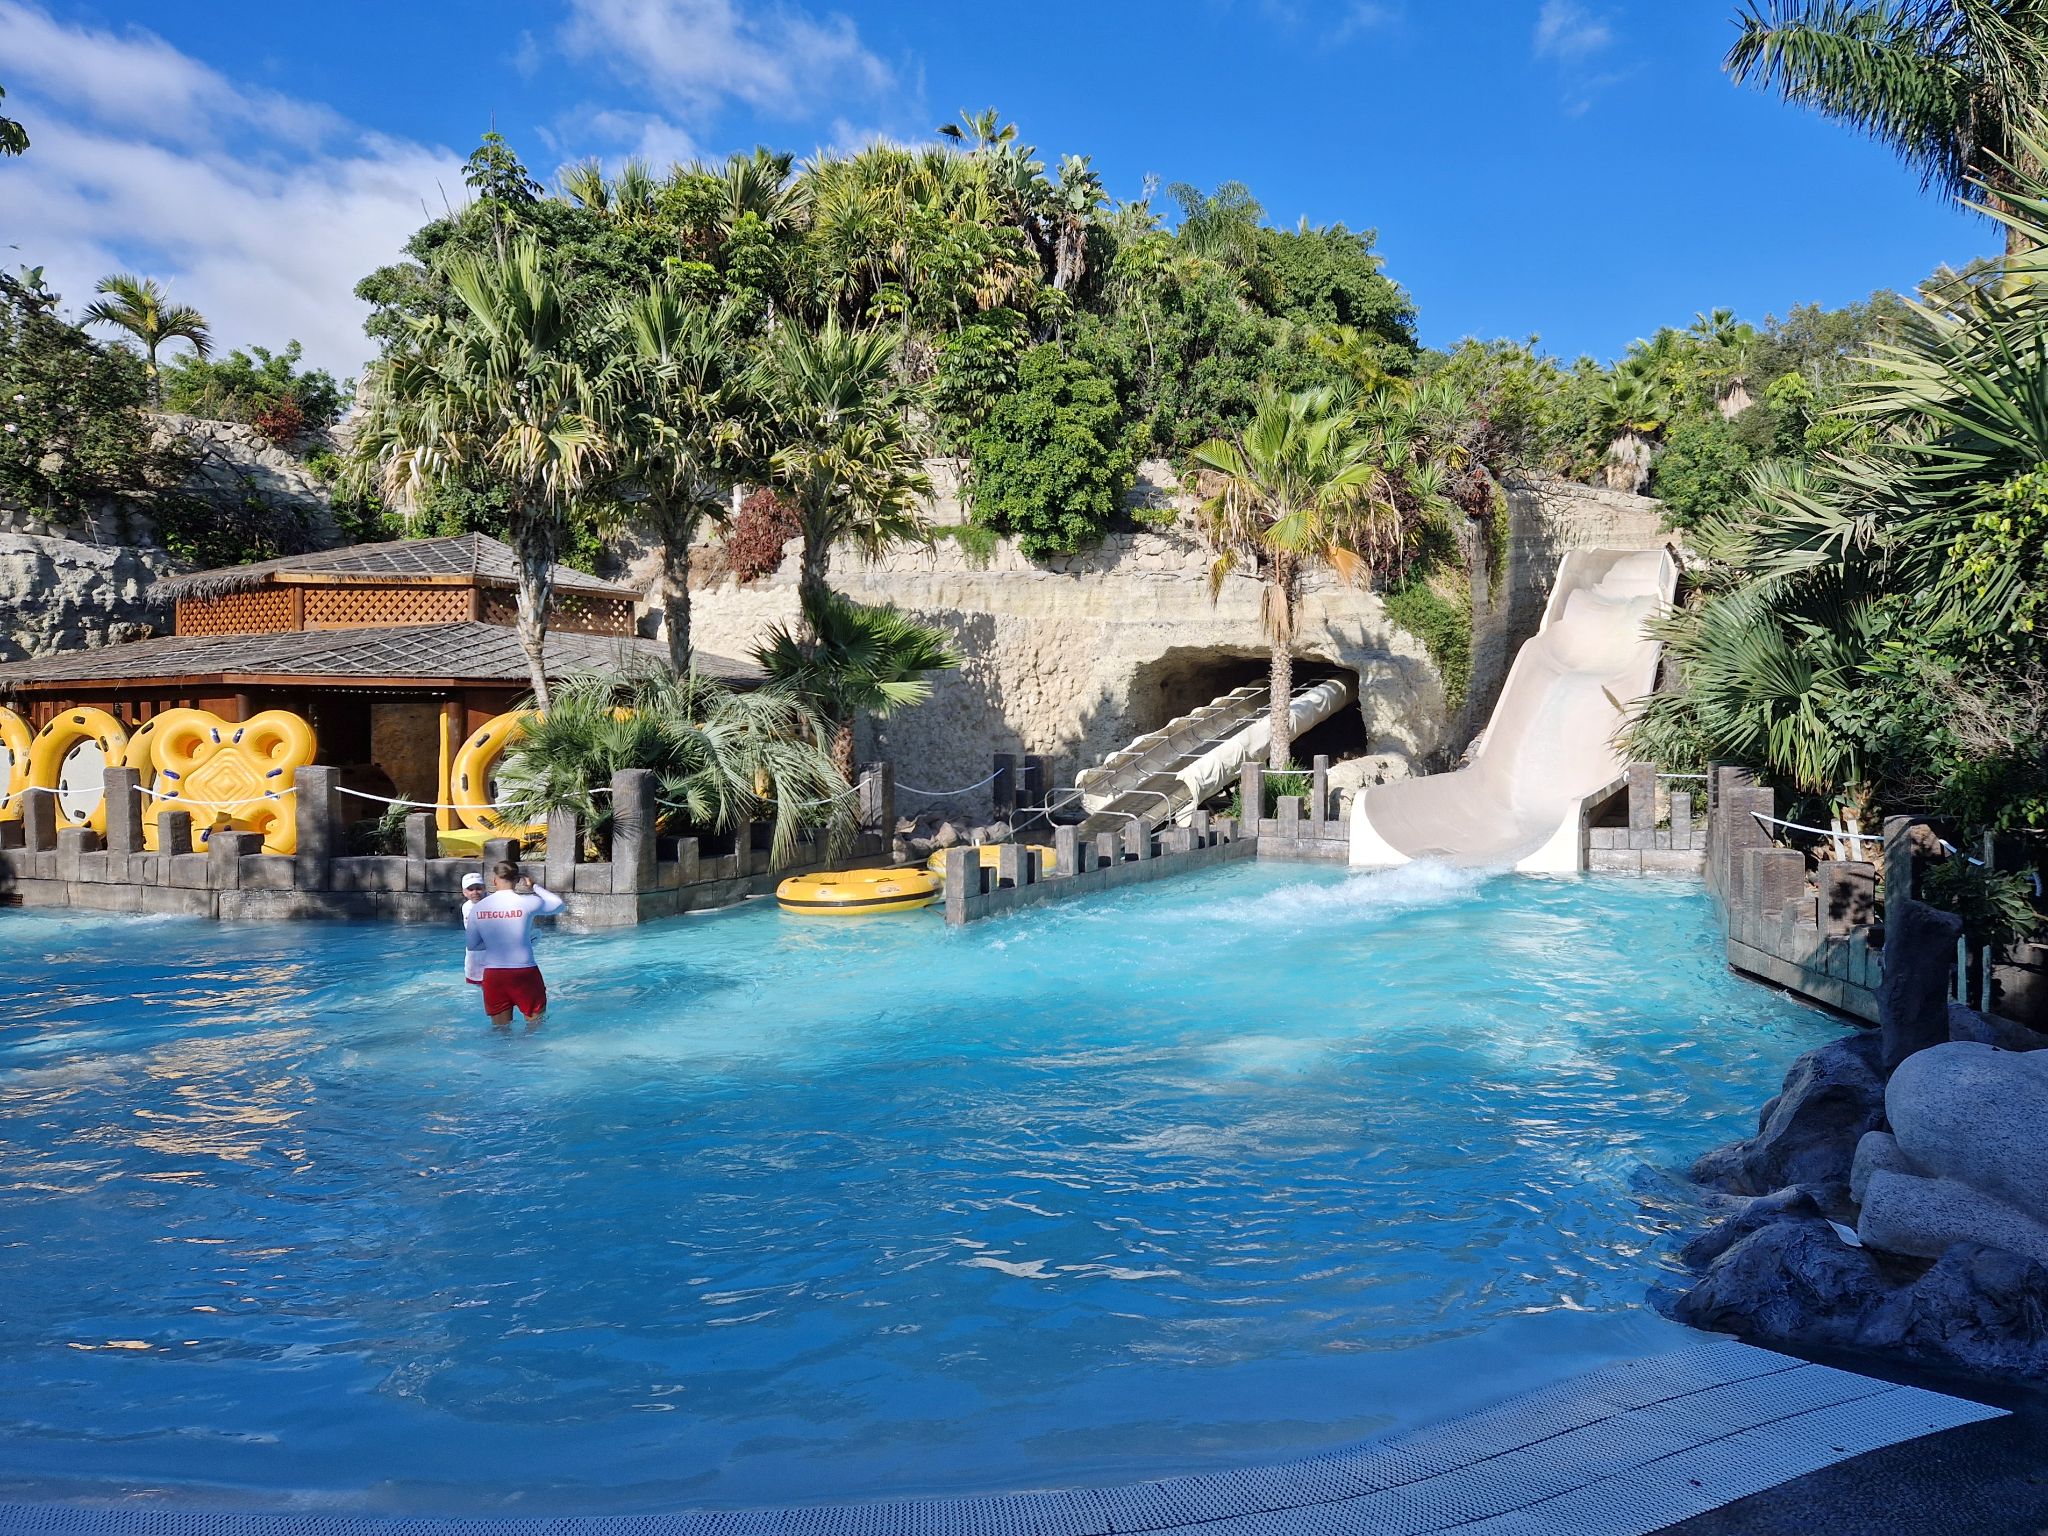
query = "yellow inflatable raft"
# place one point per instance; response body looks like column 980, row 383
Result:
column 857, row 892
column 1042, row 853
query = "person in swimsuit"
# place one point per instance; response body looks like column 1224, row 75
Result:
column 501, row 927
column 472, row 958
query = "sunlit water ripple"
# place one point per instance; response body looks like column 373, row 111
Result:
column 1238, row 1166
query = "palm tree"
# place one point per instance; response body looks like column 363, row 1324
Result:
column 1222, row 226
column 142, row 309
column 1944, row 82
column 500, row 390
column 855, row 660
column 1075, row 202
column 981, row 131
column 721, row 757
column 677, row 409
column 1299, row 486
column 844, row 456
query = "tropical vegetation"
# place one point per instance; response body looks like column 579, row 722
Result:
column 1947, row 84
column 268, row 390
column 1871, row 626
column 722, row 758
column 139, row 306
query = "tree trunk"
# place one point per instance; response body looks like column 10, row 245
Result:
column 536, row 596
column 842, row 747
column 1281, row 707
column 675, row 591
column 1280, row 600
column 812, row 593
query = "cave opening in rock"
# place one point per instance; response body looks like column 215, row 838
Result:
column 1186, row 678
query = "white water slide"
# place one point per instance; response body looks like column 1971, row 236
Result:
column 1167, row 773
column 1550, row 743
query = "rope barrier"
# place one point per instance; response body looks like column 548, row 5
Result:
column 941, row 794
column 1855, row 840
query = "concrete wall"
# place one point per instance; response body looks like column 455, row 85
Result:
column 232, row 880
column 1073, row 657
column 58, row 594
column 1805, row 925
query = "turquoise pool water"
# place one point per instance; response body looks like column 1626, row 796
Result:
column 1229, row 1168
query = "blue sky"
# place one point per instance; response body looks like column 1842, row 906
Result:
column 1579, row 170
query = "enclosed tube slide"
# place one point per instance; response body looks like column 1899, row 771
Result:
column 1551, row 740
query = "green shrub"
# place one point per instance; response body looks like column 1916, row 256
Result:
column 1442, row 624
column 73, row 423
column 977, row 543
column 1703, row 470
column 1054, row 461
column 268, row 390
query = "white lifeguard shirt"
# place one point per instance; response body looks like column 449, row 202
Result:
column 500, row 927
column 472, row 958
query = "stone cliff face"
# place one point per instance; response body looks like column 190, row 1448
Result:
column 90, row 581
column 1074, row 657
column 58, row 594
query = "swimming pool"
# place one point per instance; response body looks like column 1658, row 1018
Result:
column 1223, row 1169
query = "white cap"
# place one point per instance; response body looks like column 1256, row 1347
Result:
column 471, row 879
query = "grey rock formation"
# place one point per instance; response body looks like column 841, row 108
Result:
column 1793, row 1283
column 1807, row 1135
column 1962, row 1163
column 1753, row 1216
column 1911, row 1214
column 1877, row 1152
column 56, row 593
column 232, row 464
column 1912, row 998
column 1976, row 1115
column 1991, row 1029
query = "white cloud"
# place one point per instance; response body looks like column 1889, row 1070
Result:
column 1567, row 31
column 1364, row 16
column 646, row 135
column 694, row 55
column 261, row 211
column 137, row 79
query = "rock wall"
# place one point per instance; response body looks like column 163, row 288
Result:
column 60, row 594
column 1074, row 657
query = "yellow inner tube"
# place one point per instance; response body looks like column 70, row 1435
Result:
column 15, row 737
column 1043, row 854
column 849, row 892
column 71, row 756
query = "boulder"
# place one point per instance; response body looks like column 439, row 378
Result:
column 1877, row 1151
column 1912, row 996
column 1984, row 1309
column 1906, row 1213
column 1989, row 1029
column 1807, row 1135
column 1792, row 1281
column 1978, row 1116
column 1753, row 1216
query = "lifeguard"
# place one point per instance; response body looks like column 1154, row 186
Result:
column 501, row 927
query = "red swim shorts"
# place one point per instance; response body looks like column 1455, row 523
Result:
column 508, row 988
